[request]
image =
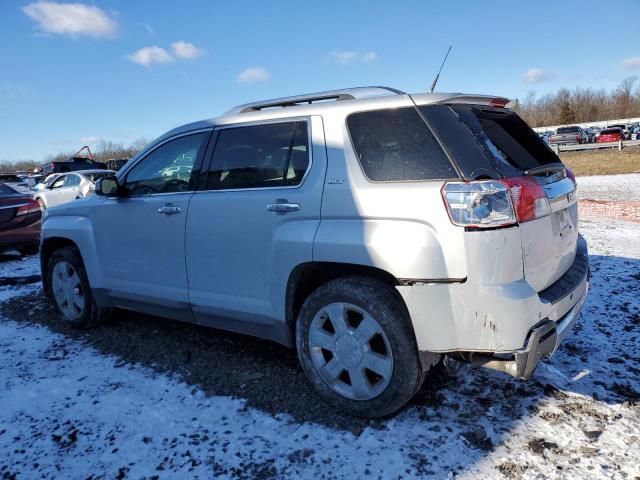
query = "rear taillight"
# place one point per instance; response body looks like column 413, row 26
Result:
column 571, row 175
column 495, row 203
column 529, row 200
column 30, row 207
column 484, row 204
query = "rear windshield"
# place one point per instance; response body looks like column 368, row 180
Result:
column 505, row 138
column 397, row 145
column 609, row 131
column 4, row 189
column 568, row 130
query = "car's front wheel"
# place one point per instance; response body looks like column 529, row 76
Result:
column 356, row 345
column 69, row 290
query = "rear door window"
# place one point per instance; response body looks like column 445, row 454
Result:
column 397, row 145
column 260, row 156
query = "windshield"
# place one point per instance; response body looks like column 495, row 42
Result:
column 567, row 130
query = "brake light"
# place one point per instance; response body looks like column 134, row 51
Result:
column 529, row 200
column 571, row 175
column 498, row 102
column 30, row 207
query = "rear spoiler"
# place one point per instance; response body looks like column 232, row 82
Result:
column 460, row 98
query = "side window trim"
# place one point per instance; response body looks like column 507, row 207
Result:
column 206, row 168
column 197, row 164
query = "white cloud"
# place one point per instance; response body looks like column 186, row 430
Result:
column 536, row 75
column 633, row 62
column 186, row 50
column 71, row 19
column 253, row 75
column 344, row 58
column 150, row 55
column 369, row 57
column 348, row 57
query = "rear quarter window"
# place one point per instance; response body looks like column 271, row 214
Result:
column 396, row 145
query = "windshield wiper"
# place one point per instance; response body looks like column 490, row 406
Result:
column 548, row 168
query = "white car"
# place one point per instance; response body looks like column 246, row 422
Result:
column 68, row 186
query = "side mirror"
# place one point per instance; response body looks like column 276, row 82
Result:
column 109, row 187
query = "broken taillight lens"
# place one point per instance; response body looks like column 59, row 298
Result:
column 495, row 203
column 483, row 204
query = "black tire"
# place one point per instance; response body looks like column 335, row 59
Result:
column 30, row 249
column 92, row 314
column 386, row 307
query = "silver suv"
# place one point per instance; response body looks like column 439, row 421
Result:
column 373, row 230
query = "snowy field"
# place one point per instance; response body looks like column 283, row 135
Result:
column 610, row 187
column 130, row 400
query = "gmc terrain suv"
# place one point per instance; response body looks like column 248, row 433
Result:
column 371, row 229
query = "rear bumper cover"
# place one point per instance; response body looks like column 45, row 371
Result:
column 544, row 339
column 505, row 326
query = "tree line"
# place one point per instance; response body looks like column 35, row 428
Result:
column 103, row 151
column 580, row 105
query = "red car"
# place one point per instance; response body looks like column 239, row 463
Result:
column 19, row 221
column 610, row 135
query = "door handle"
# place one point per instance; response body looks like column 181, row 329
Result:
column 169, row 210
column 281, row 207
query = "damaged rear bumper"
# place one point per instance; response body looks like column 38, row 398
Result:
column 544, row 339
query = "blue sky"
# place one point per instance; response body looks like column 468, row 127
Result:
column 119, row 70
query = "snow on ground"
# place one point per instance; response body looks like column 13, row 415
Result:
column 70, row 411
column 609, row 187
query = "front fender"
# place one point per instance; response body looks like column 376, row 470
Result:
column 79, row 230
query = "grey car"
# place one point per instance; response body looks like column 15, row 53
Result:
column 373, row 230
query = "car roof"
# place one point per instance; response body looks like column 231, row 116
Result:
column 350, row 99
column 91, row 171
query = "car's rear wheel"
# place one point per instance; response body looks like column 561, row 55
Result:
column 356, row 345
column 69, row 290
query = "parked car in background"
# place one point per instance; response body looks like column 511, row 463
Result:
column 371, row 229
column 544, row 136
column 568, row 135
column 591, row 134
column 19, row 221
column 625, row 130
column 47, row 181
column 71, row 165
column 16, row 181
column 610, row 134
column 69, row 186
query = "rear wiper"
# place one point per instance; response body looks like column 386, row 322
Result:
column 548, row 168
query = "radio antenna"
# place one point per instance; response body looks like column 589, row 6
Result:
column 435, row 80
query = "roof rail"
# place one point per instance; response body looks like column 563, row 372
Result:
column 309, row 98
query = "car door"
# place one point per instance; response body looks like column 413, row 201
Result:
column 253, row 222
column 53, row 194
column 69, row 190
column 140, row 235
